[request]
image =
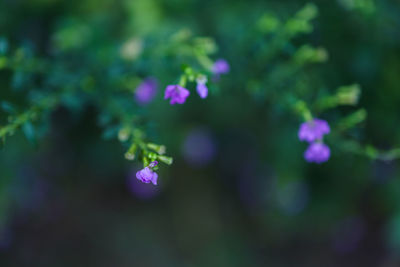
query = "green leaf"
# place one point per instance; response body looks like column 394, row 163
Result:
column 29, row 132
column 352, row 120
column 8, row 107
column 111, row 132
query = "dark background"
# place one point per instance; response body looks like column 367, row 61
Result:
column 239, row 192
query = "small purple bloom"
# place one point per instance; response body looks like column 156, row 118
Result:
column 221, row 66
column 141, row 190
column 177, row 93
column 147, row 175
column 317, row 152
column 201, row 88
column 313, row 130
column 146, row 91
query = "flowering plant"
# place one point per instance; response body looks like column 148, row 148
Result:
column 123, row 84
column 182, row 128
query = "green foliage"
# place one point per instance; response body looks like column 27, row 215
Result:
column 68, row 74
column 276, row 59
column 62, row 84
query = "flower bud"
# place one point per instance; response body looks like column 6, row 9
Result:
column 349, row 95
column 152, row 156
column 130, row 154
column 123, row 134
column 165, row 159
column 160, row 149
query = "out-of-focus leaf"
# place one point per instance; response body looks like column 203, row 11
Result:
column 3, row 45
column 8, row 107
column 111, row 132
column 29, row 132
column 352, row 120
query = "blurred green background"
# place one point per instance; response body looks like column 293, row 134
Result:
column 239, row 192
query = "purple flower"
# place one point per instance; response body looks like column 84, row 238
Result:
column 201, row 88
column 147, row 175
column 221, row 66
column 146, row 91
column 141, row 190
column 177, row 93
column 313, row 130
column 317, row 152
